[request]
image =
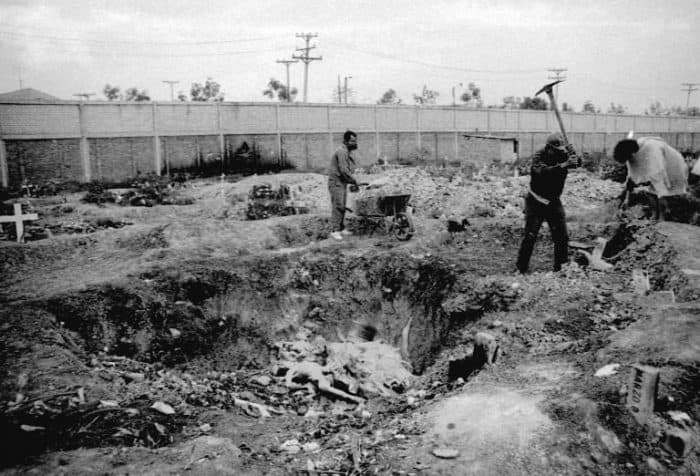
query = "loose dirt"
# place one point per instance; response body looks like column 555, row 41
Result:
column 256, row 334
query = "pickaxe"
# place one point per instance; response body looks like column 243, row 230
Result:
column 549, row 89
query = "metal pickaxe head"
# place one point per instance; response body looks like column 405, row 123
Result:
column 547, row 88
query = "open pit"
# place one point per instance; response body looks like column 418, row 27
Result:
column 193, row 339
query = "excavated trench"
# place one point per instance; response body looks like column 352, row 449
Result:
column 227, row 317
column 201, row 319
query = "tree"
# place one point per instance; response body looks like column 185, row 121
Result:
column 534, row 103
column 473, row 94
column 566, row 107
column 133, row 94
column 616, row 108
column 588, row 106
column 512, row 102
column 427, row 96
column 181, row 96
column 210, row 91
column 389, row 97
column 111, row 92
column 276, row 88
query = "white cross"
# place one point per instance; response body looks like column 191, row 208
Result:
column 18, row 218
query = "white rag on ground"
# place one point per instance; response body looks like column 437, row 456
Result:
column 696, row 168
column 662, row 165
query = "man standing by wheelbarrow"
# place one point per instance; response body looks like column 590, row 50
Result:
column 339, row 176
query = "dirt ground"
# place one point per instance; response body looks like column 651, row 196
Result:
column 183, row 338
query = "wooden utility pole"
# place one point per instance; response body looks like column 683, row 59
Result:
column 306, row 59
column 690, row 87
column 559, row 76
column 171, row 83
column 345, row 90
column 289, row 86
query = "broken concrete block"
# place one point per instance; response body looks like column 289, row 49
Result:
column 663, row 297
column 643, row 388
column 678, row 442
column 640, row 282
column 485, row 349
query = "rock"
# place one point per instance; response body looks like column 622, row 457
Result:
column 133, row 376
column 445, row 453
column 206, row 427
column 311, row 447
column 291, row 447
column 655, row 465
column 607, row 370
column 175, row 333
column 262, row 380
column 485, row 349
column 680, row 417
column 163, row 408
column 608, row 439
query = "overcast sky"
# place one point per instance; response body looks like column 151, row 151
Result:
column 628, row 52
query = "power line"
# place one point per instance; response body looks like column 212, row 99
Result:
column 431, row 65
column 286, row 63
column 136, row 42
column 73, row 49
column 305, row 58
column 690, row 87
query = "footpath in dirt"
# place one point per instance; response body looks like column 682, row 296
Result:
column 193, row 340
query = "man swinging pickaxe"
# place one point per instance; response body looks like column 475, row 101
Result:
column 549, row 89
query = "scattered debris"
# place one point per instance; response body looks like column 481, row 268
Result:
column 164, row 408
column 445, row 453
column 607, row 370
column 264, row 202
column 679, row 442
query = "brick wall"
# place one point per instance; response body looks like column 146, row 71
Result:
column 42, row 141
column 42, row 160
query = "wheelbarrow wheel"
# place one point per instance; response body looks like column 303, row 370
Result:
column 402, row 226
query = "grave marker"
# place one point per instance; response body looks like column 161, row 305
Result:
column 18, row 220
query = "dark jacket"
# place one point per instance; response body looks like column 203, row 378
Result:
column 342, row 166
column 546, row 176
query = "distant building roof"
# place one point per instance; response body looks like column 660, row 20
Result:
column 27, row 94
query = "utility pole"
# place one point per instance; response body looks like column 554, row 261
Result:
column 558, row 72
column 340, row 92
column 171, row 83
column 85, row 96
column 454, row 97
column 690, row 87
column 346, row 88
column 20, row 76
column 289, row 86
column 306, row 59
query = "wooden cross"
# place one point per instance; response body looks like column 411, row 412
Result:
column 18, row 218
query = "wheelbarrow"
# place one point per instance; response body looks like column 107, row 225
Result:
column 388, row 211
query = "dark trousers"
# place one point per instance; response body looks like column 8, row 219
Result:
column 535, row 213
column 338, row 193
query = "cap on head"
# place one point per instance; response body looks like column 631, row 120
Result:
column 556, row 140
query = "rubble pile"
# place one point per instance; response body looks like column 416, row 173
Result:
column 463, row 194
column 146, row 192
column 68, row 419
column 264, row 202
